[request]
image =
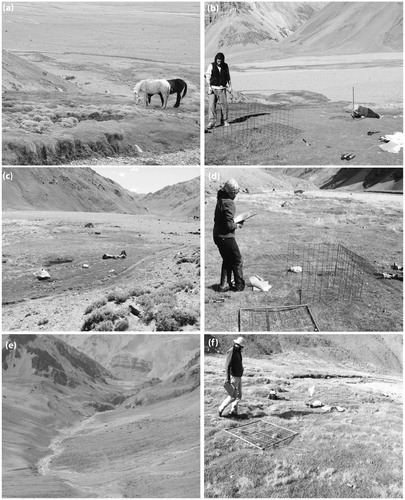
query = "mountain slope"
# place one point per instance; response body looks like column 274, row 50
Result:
column 379, row 353
column 181, row 199
column 138, row 357
column 66, row 189
column 260, row 180
column 354, row 179
column 22, row 75
column 241, row 24
column 351, row 28
column 48, row 357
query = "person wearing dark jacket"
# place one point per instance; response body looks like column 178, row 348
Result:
column 219, row 81
column 224, row 238
column 233, row 373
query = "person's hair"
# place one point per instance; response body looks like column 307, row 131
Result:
column 221, row 56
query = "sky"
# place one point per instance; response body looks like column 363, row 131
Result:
column 147, row 179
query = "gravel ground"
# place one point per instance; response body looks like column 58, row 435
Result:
column 187, row 157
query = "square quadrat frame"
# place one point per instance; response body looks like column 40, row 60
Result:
column 262, row 434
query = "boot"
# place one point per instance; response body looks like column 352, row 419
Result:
column 223, row 287
column 239, row 281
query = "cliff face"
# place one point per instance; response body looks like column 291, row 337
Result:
column 46, row 356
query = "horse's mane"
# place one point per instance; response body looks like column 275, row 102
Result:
column 138, row 86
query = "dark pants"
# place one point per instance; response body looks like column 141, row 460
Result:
column 231, row 259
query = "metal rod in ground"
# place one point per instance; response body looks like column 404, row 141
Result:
column 313, row 319
column 243, row 439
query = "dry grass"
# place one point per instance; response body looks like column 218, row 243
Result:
column 357, row 453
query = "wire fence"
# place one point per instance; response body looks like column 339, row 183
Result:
column 327, row 272
column 246, row 117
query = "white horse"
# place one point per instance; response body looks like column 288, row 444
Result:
column 150, row 88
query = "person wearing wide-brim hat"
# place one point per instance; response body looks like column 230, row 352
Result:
column 224, row 238
column 233, row 372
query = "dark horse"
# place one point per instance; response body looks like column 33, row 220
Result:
column 176, row 87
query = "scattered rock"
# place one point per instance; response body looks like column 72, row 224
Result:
column 136, row 311
column 89, row 224
column 42, row 274
column 85, row 266
column 295, row 269
column 286, row 204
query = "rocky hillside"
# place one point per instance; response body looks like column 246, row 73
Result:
column 251, row 23
column 138, row 357
column 67, row 189
column 294, row 28
column 46, row 356
column 353, row 179
column 379, row 353
column 182, row 199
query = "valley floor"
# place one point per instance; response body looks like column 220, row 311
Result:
column 61, row 243
column 150, row 451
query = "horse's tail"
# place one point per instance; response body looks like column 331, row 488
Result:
column 185, row 89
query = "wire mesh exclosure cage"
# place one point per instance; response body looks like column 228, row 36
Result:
column 262, row 434
column 244, row 117
column 327, row 272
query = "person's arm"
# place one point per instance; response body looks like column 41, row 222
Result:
column 228, row 365
column 229, row 83
column 228, row 211
column 208, row 76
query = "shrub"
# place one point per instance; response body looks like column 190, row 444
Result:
column 95, row 305
column 118, row 295
column 185, row 317
column 98, row 316
column 105, row 326
column 121, row 325
column 165, row 321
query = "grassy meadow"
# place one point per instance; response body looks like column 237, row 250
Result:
column 356, row 453
column 368, row 224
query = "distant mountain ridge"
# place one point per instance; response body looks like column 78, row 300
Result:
column 140, row 357
column 246, row 23
column 380, row 353
column 181, row 199
column 354, row 179
column 47, row 356
column 75, row 189
column 67, row 189
column 309, row 179
column 295, row 28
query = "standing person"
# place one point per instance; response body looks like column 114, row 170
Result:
column 224, row 238
column 234, row 369
column 219, row 81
